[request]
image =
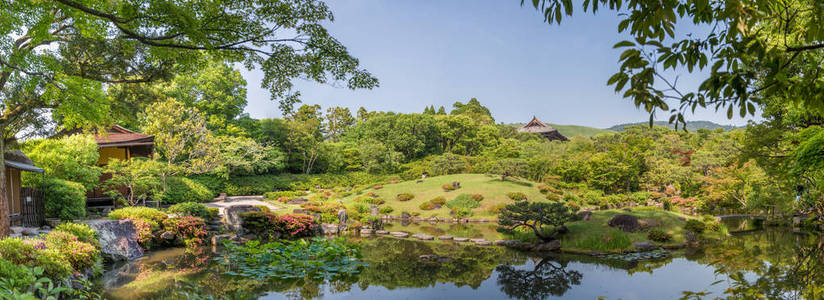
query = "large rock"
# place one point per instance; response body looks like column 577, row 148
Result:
column 343, row 218
column 423, row 236
column 374, row 210
column 644, row 246
column 627, row 223
column 405, row 216
column 232, row 216
column 118, row 239
column 329, row 229
column 551, row 246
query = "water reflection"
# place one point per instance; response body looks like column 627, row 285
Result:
column 774, row 262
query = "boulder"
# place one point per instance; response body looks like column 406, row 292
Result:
column 644, row 246
column 627, row 223
column 445, row 237
column 374, row 210
column 366, row 231
column 460, row 239
column 167, row 235
column 343, row 217
column 232, row 214
column 118, row 239
column 399, row 234
column 382, row 232
column 405, row 216
column 551, row 246
column 327, row 228
column 585, row 215
column 481, row 242
column 422, row 236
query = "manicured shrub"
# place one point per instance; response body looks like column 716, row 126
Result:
column 16, row 277
column 462, row 201
column 658, row 235
column 386, row 210
column 377, row 187
column 477, row 197
column 83, row 232
column 440, row 200
column 517, row 196
column 54, row 264
column 153, row 216
column 144, row 231
column 448, row 187
column 33, row 253
column 182, row 189
column 405, row 197
column 64, row 199
column 193, row 209
column 553, row 197
column 271, row 225
column 80, row 255
column 462, row 212
column 191, row 229
column 694, row 226
column 361, row 208
column 283, row 194
column 427, row 206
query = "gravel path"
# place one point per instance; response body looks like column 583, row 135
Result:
column 240, row 200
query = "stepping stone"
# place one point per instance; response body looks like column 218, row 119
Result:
column 460, row 239
column 482, row 242
column 501, row 242
column 422, row 236
column 381, row 231
column 445, row 237
column 366, row 231
column 399, row 234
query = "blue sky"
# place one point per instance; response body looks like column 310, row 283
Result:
column 428, row 52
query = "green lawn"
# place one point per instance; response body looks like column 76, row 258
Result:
column 490, row 186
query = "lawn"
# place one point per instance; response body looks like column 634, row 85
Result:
column 490, row 186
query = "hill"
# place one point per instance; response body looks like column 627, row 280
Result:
column 691, row 125
column 572, row 130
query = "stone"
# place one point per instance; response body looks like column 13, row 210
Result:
column 297, row 201
column 405, row 215
column 218, row 239
column 627, row 209
column 382, row 232
column 399, row 234
column 551, row 246
column 422, row 236
column 481, row 242
column 627, row 223
column 29, row 231
column 118, row 239
column 374, row 210
column 343, row 217
column 460, row 239
column 585, row 215
column 434, row 258
column 45, row 227
column 691, row 237
column 167, row 235
column 445, row 237
column 327, row 228
column 366, row 231
column 53, row 222
column 232, row 214
column 644, row 246
column 300, row 211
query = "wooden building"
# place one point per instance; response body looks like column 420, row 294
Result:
column 118, row 143
column 536, row 126
column 17, row 162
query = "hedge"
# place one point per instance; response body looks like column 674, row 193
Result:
column 182, row 189
column 64, row 199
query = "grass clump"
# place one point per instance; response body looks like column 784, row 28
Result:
column 659, row 236
column 611, row 241
column 439, row 201
column 386, row 210
column 462, row 201
column 448, row 187
column 405, row 197
column 427, row 206
column 517, row 196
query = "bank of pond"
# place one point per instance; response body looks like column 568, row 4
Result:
column 773, row 262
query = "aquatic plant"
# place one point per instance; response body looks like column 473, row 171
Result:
column 317, row 258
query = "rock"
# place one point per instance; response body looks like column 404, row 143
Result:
column 118, row 239
column 374, row 210
column 405, row 215
column 460, row 239
column 327, row 228
column 167, row 235
column 691, row 237
column 585, row 215
column 399, row 234
column 299, row 211
column 232, row 215
column 627, row 223
column 627, row 209
column 29, row 231
column 382, row 232
column 366, row 231
column 422, row 236
column 297, row 201
column 45, row 227
column 551, row 246
column 53, row 222
column 343, row 217
column 445, row 237
column 644, row 246
column 218, row 239
column 481, row 242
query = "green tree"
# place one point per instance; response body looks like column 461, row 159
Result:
column 73, row 158
column 537, row 216
column 338, row 120
column 134, row 180
column 241, row 156
column 56, row 56
column 305, row 137
column 474, row 110
column 181, row 137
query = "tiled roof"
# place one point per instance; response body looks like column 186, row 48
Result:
column 119, row 136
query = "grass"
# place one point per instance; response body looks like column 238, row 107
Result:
column 490, row 186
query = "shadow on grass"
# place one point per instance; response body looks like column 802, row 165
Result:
column 510, row 180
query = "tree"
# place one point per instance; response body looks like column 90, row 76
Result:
column 141, row 179
column 535, row 216
column 73, row 158
column 338, row 120
column 241, row 156
column 305, row 137
column 474, row 110
column 56, row 56
column 181, row 137
column 753, row 50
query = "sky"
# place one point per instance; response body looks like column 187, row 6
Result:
column 431, row 52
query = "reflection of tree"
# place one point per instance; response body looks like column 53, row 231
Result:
column 547, row 278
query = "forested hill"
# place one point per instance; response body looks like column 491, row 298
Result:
column 691, row 125
column 572, row 130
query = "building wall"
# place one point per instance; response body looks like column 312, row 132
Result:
column 108, row 153
column 13, row 191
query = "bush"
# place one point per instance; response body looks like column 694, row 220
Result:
column 271, row 225
column 64, row 199
column 377, row 187
column 448, row 187
column 405, row 197
column 667, row 205
column 80, row 255
column 440, row 200
column 144, row 231
column 462, row 201
column 283, row 194
column 552, row 197
column 495, row 209
column 462, row 212
column 192, row 209
column 33, row 253
column 17, row 278
column 386, row 210
column 477, row 197
column 153, row 216
column 182, row 189
column 658, row 235
column 83, row 232
column 517, row 196
column 191, row 229
column 361, row 208
column 427, row 206
column 694, row 226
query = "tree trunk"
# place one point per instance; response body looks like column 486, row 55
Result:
column 5, row 220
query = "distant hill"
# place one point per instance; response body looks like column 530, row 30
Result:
column 691, row 125
column 572, row 130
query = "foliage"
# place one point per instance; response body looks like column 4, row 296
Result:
column 405, row 197
column 64, row 199
column 427, row 206
column 613, row 240
column 517, row 196
column 479, row 197
column 536, row 215
column 79, row 254
column 33, row 253
column 440, row 200
column 83, row 232
column 240, row 156
column 448, row 187
column 462, row 201
column 191, row 209
column 71, row 158
column 15, row 277
column 140, row 177
column 659, row 235
column 182, row 189
column 695, row 226
column 150, row 215
column 318, row 259
column 272, row 226
column 144, row 228
column 386, row 210
column 191, row 229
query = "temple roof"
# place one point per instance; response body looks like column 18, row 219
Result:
column 117, row 136
column 536, row 126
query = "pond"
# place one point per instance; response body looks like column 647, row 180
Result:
column 778, row 262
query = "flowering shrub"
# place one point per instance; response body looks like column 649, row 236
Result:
column 83, row 232
column 79, row 254
column 517, row 196
column 191, row 229
column 144, row 231
column 193, row 209
column 405, row 197
column 33, row 253
column 296, row 225
column 271, row 225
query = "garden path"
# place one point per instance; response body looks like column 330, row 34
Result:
column 240, row 200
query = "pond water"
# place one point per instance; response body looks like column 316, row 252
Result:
column 776, row 261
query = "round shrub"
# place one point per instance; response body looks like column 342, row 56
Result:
column 152, row 216
column 17, row 277
column 695, row 226
column 427, row 206
column 377, row 187
column 517, row 196
column 477, row 197
column 386, row 210
column 54, row 264
column 448, row 187
column 552, row 197
column 658, row 235
column 33, row 253
column 182, row 189
column 440, row 200
column 64, row 199
column 191, row 229
column 192, row 209
column 80, row 255
column 83, row 232
column 405, row 197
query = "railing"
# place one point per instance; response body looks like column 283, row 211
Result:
column 33, row 208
